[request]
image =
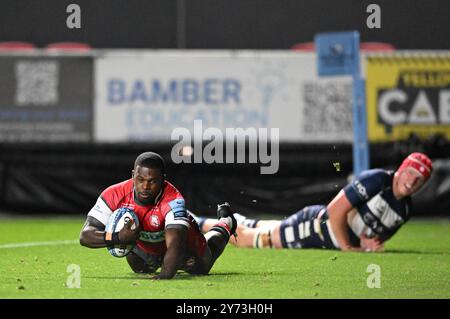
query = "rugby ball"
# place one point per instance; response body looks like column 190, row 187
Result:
column 115, row 224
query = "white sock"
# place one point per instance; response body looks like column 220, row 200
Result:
column 247, row 222
column 240, row 218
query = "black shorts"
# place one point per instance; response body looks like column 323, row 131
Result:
column 149, row 263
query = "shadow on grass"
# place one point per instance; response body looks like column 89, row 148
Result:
column 179, row 276
column 417, row 252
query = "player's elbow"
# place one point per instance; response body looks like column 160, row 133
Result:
column 84, row 239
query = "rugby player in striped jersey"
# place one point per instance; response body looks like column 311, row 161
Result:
column 363, row 215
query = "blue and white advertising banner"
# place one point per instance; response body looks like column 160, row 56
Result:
column 145, row 96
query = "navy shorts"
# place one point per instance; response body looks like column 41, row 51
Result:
column 307, row 228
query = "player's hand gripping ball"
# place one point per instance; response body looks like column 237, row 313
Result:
column 118, row 219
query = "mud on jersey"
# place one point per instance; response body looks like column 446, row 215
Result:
column 168, row 209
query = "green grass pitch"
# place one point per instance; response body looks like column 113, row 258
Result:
column 416, row 264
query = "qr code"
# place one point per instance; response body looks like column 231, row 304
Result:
column 37, row 83
column 328, row 109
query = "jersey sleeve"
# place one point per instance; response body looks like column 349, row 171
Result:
column 366, row 185
column 101, row 211
column 177, row 214
column 105, row 205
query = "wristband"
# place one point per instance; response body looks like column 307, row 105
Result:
column 111, row 239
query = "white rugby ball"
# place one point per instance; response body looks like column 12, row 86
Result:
column 115, row 224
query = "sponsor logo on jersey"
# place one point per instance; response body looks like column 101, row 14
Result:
column 368, row 218
column 361, row 190
column 180, row 214
column 152, row 237
column 178, row 209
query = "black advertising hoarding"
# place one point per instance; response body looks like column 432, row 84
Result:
column 46, row 98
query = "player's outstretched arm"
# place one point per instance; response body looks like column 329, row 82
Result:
column 338, row 209
column 93, row 234
column 176, row 238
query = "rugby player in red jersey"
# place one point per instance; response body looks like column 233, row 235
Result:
column 167, row 236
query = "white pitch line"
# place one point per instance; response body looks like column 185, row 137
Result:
column 40, row 243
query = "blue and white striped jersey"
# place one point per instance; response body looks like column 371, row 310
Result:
column 378, row 211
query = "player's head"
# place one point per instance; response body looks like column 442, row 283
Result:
column 412, row 174
column 148, row 176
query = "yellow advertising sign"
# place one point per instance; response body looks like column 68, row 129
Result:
column 408, row 95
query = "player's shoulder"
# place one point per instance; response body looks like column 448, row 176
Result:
column 171, row 198
column 377, row 175
column 371, row 182
column 118, row 190
column 171, row 192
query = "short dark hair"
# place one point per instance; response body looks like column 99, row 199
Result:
column 150, row 160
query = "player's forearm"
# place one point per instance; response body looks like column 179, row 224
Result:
column 176, row 239
column 93, row 238
column 339, row 227
column 172, row 262
column 338, row 210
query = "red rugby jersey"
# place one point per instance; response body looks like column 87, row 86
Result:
column 168, row 208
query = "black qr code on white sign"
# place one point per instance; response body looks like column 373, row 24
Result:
column 327, row 108
column 36, row 83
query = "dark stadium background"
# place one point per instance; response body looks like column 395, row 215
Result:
column 67, row 178
column 218, row 24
